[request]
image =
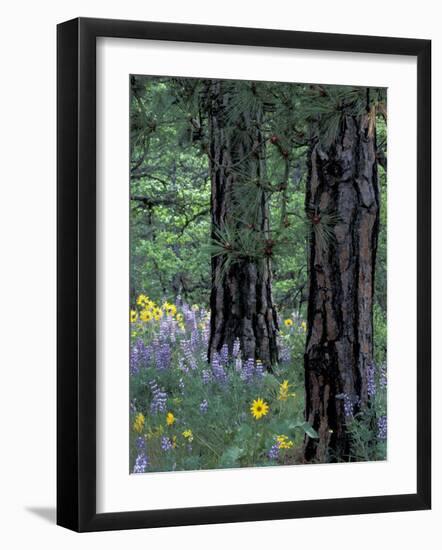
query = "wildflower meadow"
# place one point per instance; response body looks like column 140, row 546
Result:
column 188, row 414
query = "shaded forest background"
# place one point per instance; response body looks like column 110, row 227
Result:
column 170, row 186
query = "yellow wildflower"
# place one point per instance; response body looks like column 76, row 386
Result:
column 188, row 435
column 142, row 300
column 138, row 424
column 157, row 313
column 170, row 309
column 179, row 317
column 304, row 326
column 145, row 315
column 170, row 418
column 284, row 442
column 283, row 390
column 259, row 408
column 133, row 316
column 288, row 322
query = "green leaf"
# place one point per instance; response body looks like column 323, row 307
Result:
column 309, row 430
column 230, row 457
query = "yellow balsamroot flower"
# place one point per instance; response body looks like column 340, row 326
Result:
column 146, row 315
column 170, row 419
column 187, row 434
column 259, row 408
column 181, row 326
column 288, row 322
column 133, row 316
column 170, row 309
column 157, row 313
column 142, row 300
column 284, row 442
column 304, row 326
column 179, row 317
column 138, row 424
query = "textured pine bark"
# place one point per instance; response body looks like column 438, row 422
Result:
column 241, row 299
column 339, row 347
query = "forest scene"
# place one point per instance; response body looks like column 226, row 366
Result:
column 258, row 274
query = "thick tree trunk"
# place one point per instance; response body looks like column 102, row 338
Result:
column 343, row 193
column 241, row 297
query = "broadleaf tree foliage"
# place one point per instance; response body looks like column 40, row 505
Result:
column 255, row 199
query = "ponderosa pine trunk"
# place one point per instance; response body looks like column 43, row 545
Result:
column 342, row 186
column 241, row 297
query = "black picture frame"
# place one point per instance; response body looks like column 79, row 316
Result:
column 76, row 274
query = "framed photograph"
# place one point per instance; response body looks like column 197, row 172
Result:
column 243, row 274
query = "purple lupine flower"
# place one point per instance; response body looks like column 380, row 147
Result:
column 284, row 354
column 218, row 371
column 166, row 443
column 140, row 443
column 134, row 368
column 139, row 356
column 205, row 334
column 371, row 382
column 164, row 331
column 224, row 355
column 273, row 453
column 203, row 354
column 181, row 385
column 163, row 356
column 259, row 369
column 187, row 351
column 382, row 427
column 236, row 348
column 159, row 398
column 189, row 316
column 348, row 406
column 238, row 364
column 194, row 339
column 172, row 329
column 206, row 376
column 141, row 463
column 247, row 370
column 204, row 405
